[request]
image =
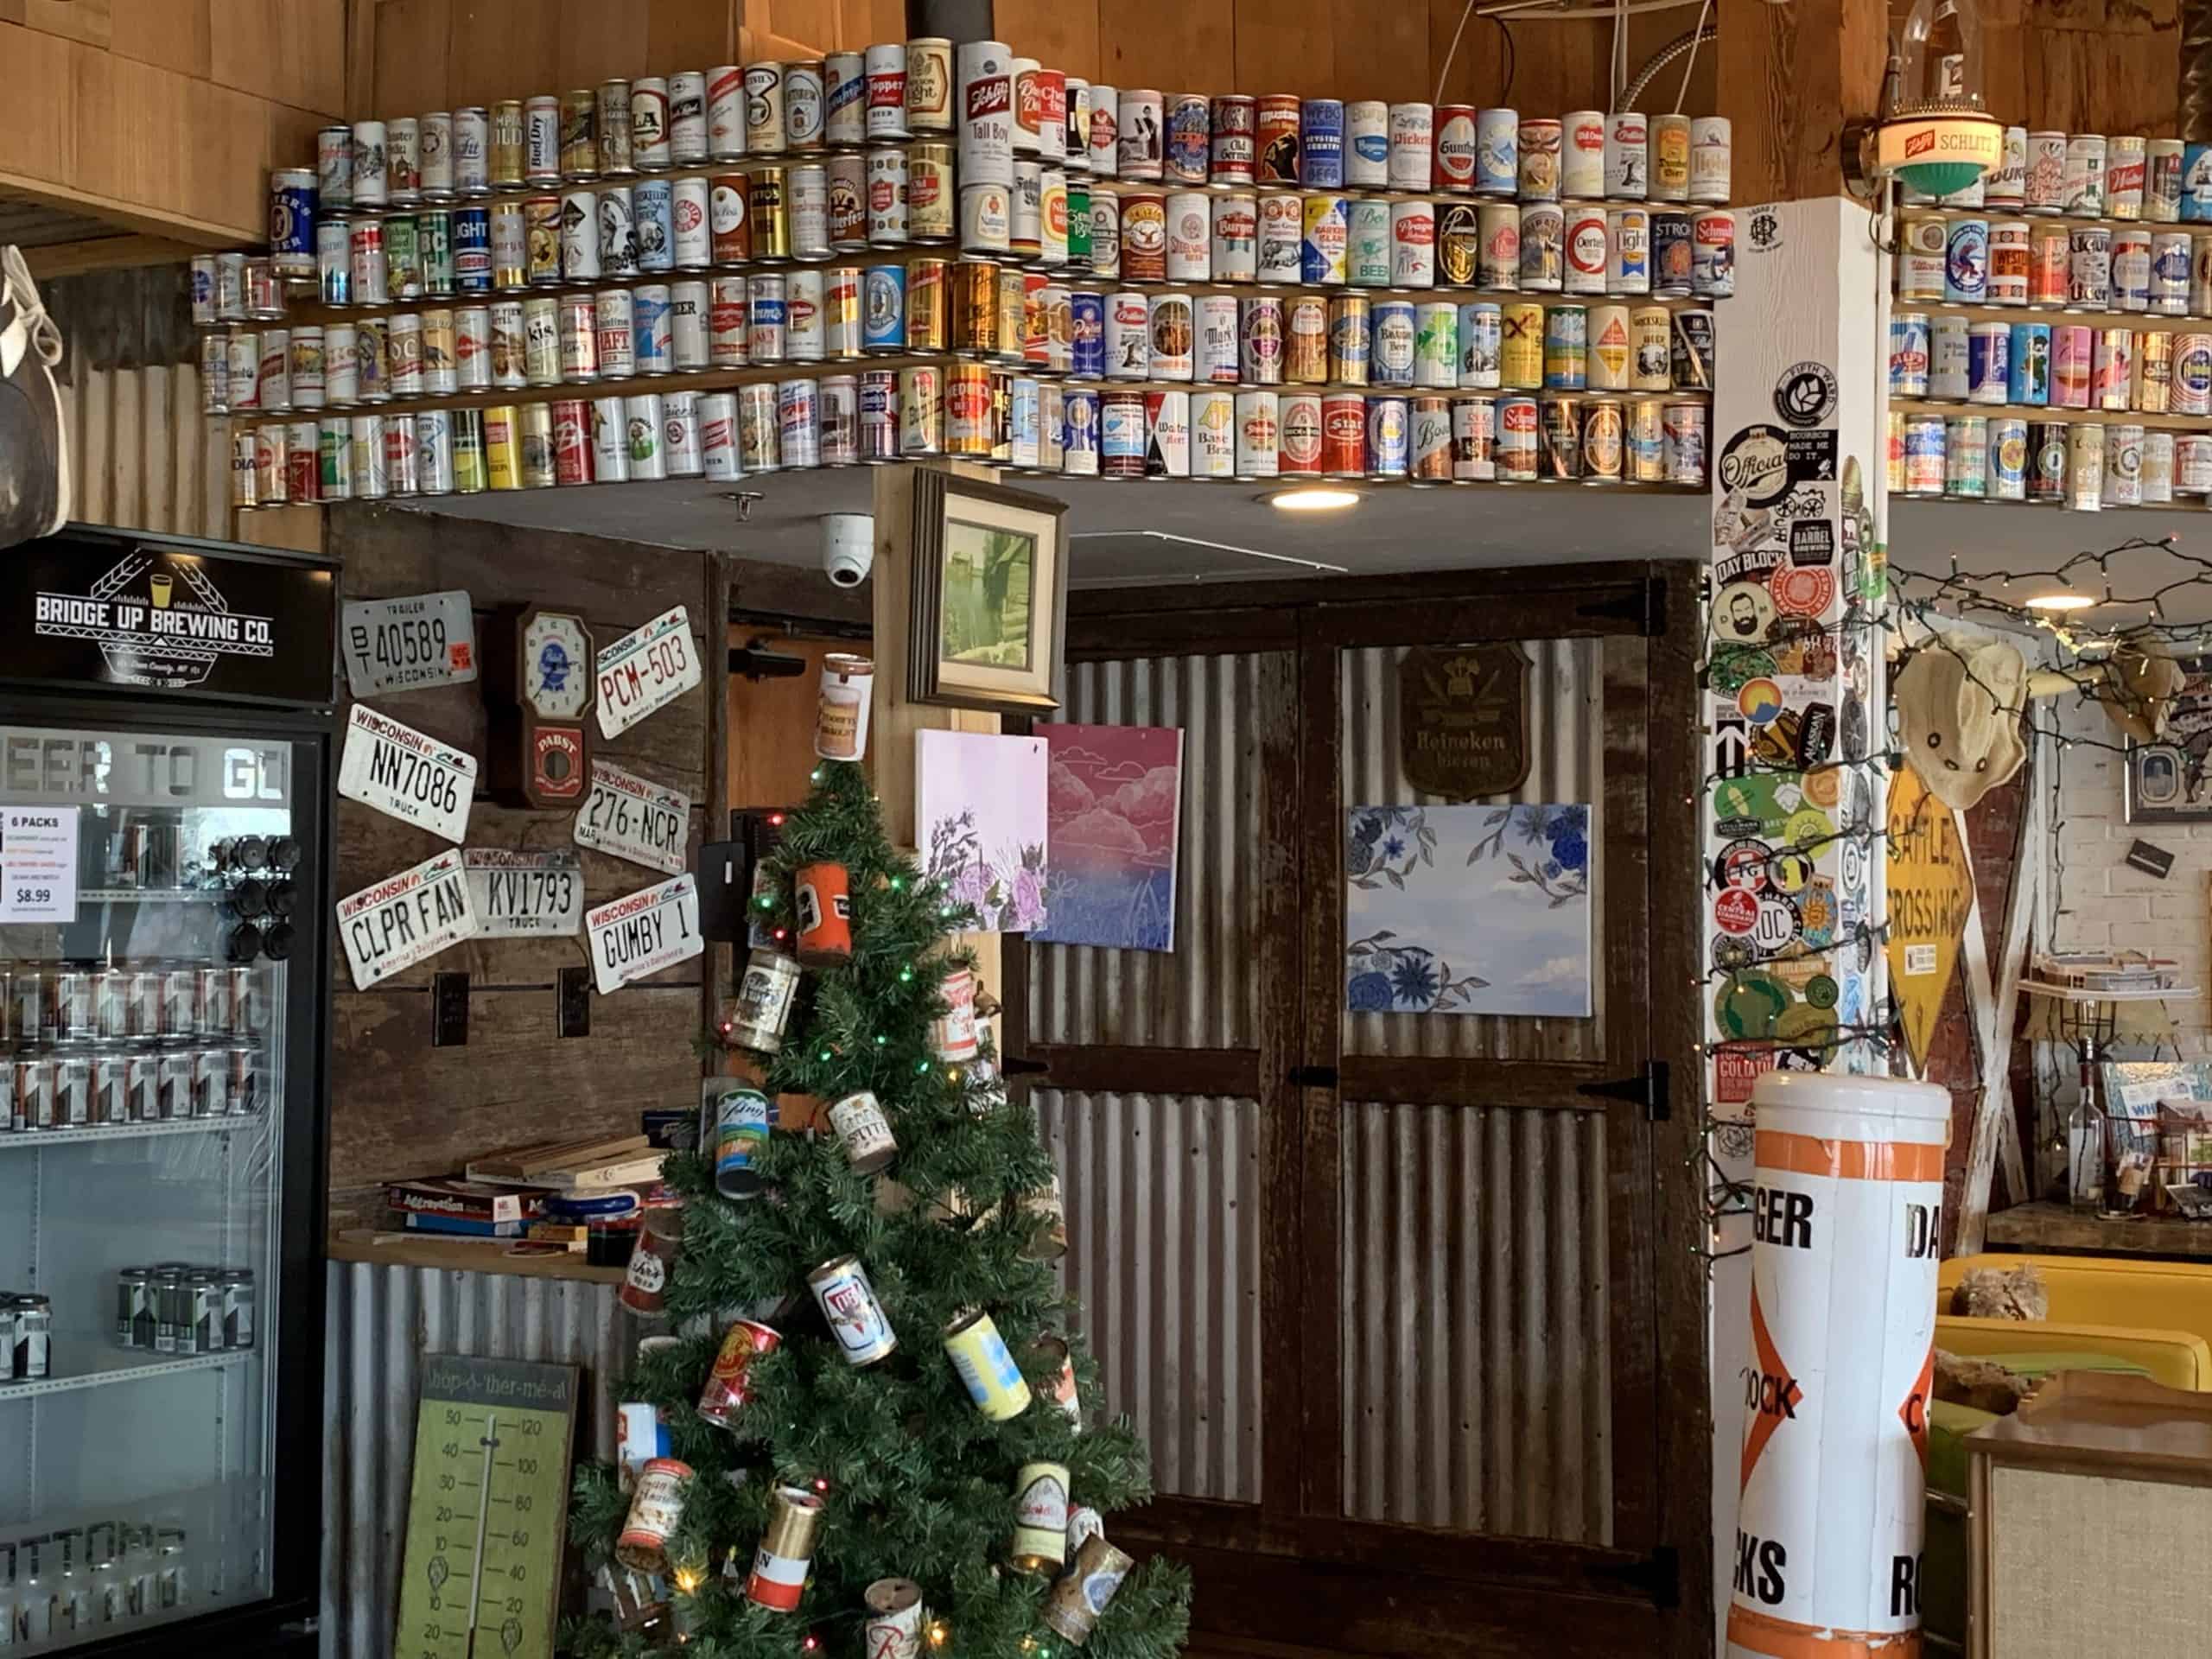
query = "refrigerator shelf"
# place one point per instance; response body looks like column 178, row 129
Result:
column 124, row 1365
column 31, row 1140
column 151, row 895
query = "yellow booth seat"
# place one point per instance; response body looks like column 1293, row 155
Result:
column 2154, row 1315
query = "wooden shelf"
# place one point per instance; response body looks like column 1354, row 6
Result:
column 2063, row 221
column 2059, row 1228
column 2154, row 322
column 397, row 1249
column 1947, row 406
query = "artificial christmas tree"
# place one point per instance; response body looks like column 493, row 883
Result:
column 926, row 1420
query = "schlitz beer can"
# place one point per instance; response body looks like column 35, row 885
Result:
column 1474, row 437
column 718, row 436
column 1514, row 453
column 1281, row 236
column 1258, row 433
column 572, row 441
column 693, row 246
column 1233, row 128
column 1348, row 359
column 1260, row 341
column 781, row 1563
column 1713, row 254
column 729, row 219
column 614, row 313
column 333, row 166
column 1521, row 350
column 1481, row 340
column 984, row 72
column 1498, row 254
column 1559, row 439
column 1586, row 240
column 506, row 143
column 726, row 111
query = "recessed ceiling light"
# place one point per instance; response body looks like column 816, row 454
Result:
column 2061, row 602
column 1313, row 498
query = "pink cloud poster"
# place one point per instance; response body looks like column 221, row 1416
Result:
column 1116, row 811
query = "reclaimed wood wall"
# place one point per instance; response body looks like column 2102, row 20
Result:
column 400, row 1106
column 420, row 54
column 166, row 115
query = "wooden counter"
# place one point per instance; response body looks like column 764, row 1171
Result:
column 398, row 1250
column 2059, row 1228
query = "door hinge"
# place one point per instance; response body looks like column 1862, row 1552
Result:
column 1646, row 606
column 1647, row 1089
column 1658, row 1575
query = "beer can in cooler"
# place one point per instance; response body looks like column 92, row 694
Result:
column 2008, row 458
column 1684, row 427
column 2027, row 365
column 2085, row 466
column 2123, row 479
column 1474, row 439
column 1079, row 433
column 1412, row 244
column 1514, row 454
column 1540, row 142
column 1481, row 344
column 1258, row 433
column 1390, row 437
column 2157, row 484
column 1213, row 433
column 1966, row 456
column 1344, row 434
column 1299, row 420
column 1988, row 351
column 1320, row 143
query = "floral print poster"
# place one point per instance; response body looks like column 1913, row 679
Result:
column 980, row 812
column 1467, row 910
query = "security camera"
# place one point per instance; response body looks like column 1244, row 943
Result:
column 848, row 547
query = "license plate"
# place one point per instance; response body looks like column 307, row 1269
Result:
column 403, row 645
column 635, row 818
column 525, row 895
column 406, row 918
column 652, row 929
column 645, row 670
column 406, row 774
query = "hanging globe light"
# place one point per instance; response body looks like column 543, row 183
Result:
column 1933, row 133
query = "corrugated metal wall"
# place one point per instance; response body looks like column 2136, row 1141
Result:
column 1163, row 1212
column 381, row 1321
column 1476, row 1371
column 1201, row 995
column 1566, row 685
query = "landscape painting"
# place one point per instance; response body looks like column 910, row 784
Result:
column 1116, row 808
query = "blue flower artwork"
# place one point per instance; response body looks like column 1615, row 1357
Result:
column 1468, row 910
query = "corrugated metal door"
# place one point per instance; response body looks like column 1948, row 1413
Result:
column 1379, row 1286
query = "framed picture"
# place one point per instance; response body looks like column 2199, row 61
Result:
column 990, row 598
column 2170, row 781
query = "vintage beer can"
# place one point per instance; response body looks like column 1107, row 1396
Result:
column 1305, row 332
column 1514, row 454
column 1121, row 435
column 1322, row 244
column 1258, row 433
column 2157, row 480
column 1412, row 244
column 372, row 476
column 885, row 69
column 1188, row 256
column 1234, row 238
column 367, row 274
column 614, row 312
column 1920, row 259
column 533, row 442
column 2125, row 158
column 1910, row 354
column 1584, row 246
column 2192, row 463
column 767, row 130
column 767, row 318
column 1627, row 158
column 1690, row 350
column 1367, row 144
column 1481, row 343
column 2154, row 368
column 1582, row 154
column 1458, row 244
column 1211, row 434
column 1170, row 330
column 985, row 132
column 1186, row 152
column 2007, row 282
column 2190, row 389
column 1140, row 133
column 879, row 416
column 1474, row 439
column 1412, row 147
column 759, row 442
column 1428, row 442
column 2112, row 372
column 1612, row 348
column 799, row 424
column 1684, row 426
column 291, row 227
column 2027, row 365
column 371, row 182
column 986, row 219
column 1344, row 435
column 768, row 203
column 2169, row 273
column 470, row 153
column 1540, row 143
column 1671, row 257
column 1520, row 351
column 919, row 407
column 1436, row 344
column 1603, row 441
column 807, row 195
column 1366, row 242
column 2085, row 466
column 1628, row 251
column 507, row 158
column 969, row 424
column 503, row 441
column 727, row 1390
column 1040, row 1512
column 2047, row 461
column 781, row 1563
column 579, row 134
column 1300, row 421
column 302, row 464
column 2073, row 352
column 1966, row 456
column 572, row 441
column 692, row 245
column 718, row 458
column 509, row 243
column 1566, row 348
column 930, row 84
column 1281, row 237
column 883, row 309
column 1988, row 350
column 1645, row 460
column 1260, row 341
column 618, row 235
column 2082, row 193
column 1498, row 252
column 923, row 206
column 334, row 167
column 1276, row 136
column 2050, row 264
column 687, row 327
column 1349, row 340
column 1713, row 254
column 1320, row 143
column 729, row 220
column 2007, row 465
column 1391, row 339
column 1078, row 432
column 1496, row 169
column 1214, row 331
column 887, row 196
column 1670, row 157
column 652, row 333
column 1233, row 130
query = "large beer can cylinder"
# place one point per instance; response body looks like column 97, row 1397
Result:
column 1846, row 1227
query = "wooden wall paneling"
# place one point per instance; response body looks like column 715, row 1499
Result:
column 1064, row 36
column 1788, row 76
column 412, row 72
column 289, row 51
column 1174, row 45
column 1275, row 47
column 501, row 48
column 599, row 42
column 13, row 11
column 771, row 723
column 38, row 137
column 695, row 34
column 1381, row 51
column 76, row 20
column 174, row 34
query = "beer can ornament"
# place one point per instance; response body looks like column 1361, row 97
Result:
column 755, row 1018
column 1081, row 1594
column 841, row 718
column 736, row 1134
column 979, row 1353
column 726, row 1390
column 863, row 1132
column 656, row 1510
column 787, row 1551
column 1849, row 1177
column 894, row 1619
column 1041, row 1517
column 848, row 1304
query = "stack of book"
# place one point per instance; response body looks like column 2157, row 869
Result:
column 447, row 1203
column 548, row 1189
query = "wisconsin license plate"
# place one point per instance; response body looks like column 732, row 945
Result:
column 406, row 918
column 406, row 774
column 645, row 670
column 406, row 644
column 525, row 895
column 633, row 817
column 652, row 929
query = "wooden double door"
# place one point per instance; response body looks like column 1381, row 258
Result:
column 1406, row 1299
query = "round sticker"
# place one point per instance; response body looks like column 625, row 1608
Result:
column 1743, row 864
column 1777, row 744
column 1790, row 870
column 1802, row 1022
column 1747, row 1004
column 1802, row 590
column 1805, row 396
column 1736, row 911
column 1854, row 864
column 1754, row 466
column 1806, row 827
column 1777, row 925
column 1731, row 953
column 1743, row 614
column 1820, row 991
column 1760, row 701
column 1822, row 787
column 1819, row 912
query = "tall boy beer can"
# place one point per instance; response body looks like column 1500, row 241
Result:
column 781, row 1563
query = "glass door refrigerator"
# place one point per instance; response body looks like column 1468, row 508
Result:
column 165, row 733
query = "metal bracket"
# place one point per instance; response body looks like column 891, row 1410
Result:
column 1647, row 1089
column 448, row 1010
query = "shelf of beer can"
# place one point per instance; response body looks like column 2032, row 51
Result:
column 1953, row 408
column 2084, row 316
column 32, row 1140
column 2063, row 221
column 106, row 1365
